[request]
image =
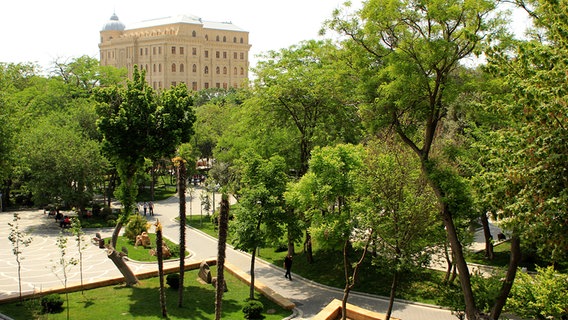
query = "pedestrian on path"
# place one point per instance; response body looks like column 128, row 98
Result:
column 288, row 267
column 151, row 207
column 145, row 207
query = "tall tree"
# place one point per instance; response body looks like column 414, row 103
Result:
column 135, row 125
column 261, row 204
column 400, row 207
column 221, row 248
column 409, row 51
column 328, row 192
column 181, row 180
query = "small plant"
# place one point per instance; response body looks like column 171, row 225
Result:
column 173, row 280
column 19, row 240
column 52, row 303
column 135, row 226
column 253, row 310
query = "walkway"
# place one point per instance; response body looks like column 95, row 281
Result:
column 39, row 261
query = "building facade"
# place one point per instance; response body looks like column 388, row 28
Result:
column 180, row 49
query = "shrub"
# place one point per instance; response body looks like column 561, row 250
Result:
column 105, row 212
column 52, row 303
column 172, row 280
column 135, row 226
column 253, row 310
column 111, row 223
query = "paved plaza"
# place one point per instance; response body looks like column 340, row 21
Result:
column 39, row 258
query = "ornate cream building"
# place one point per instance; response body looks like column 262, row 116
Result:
column 180, row 49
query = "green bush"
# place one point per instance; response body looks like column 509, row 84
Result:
column 52, row 303
column 111, row 223
column 172, row 280
column 253, row 310
column 135, row 226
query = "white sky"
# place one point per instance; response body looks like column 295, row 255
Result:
column 45, row 30
column 42, row 31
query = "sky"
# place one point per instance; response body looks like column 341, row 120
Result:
column 43, row 31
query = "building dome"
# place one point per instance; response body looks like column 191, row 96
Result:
column 113, row 24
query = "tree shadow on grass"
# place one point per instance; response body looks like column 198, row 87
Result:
column 199, row 302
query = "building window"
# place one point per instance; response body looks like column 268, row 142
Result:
column 218, row 85
column 194, row 68
column 242, row 40
column 181, row 50
column 154, row 50
column 206, row 53
column 242, row 55
column 224, row 85
column 174, row 83
column 194, row 51
column 235, row 39
column 206, row 37
column 194, row 86
column 234, row 55
column 206, row 85
column 218, row 70
column 173, row 50
column 181, row 67
column 242, row 71
column 224, row 39
column 224, row 54
column 194, row 34
column 224, row 70
column 217, row 54
column 160, row 85
column 141, row 52
column 173, row 67
column 235, row 71
column 154, row 67
column 160, row 69
column 206, row 70
column 217, row 38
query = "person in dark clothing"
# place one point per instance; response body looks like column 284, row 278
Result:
column 288, row 267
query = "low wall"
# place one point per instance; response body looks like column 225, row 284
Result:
column 333, row 311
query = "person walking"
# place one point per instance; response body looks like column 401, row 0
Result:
column 151, row 207
column 288, row 267
column 145, row 207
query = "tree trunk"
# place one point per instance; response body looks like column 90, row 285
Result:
column 449, row 263
column 251, row 289
column 160, row 255
column 117, row 259
column 221, row 246
column 394, row 284
column 308, row 248
column 115, row 233
column 153, row 178
column 509, row 278
column 488, row 237
column 182, row 220
column 457, row 250
column 350, row 284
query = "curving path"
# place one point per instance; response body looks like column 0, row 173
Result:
column 39, row 270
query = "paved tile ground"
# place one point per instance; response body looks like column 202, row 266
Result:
column 40, row 271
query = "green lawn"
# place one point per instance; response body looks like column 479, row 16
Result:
column 143, row 254
column 142, row 302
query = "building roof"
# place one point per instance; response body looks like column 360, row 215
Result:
column 113, row 24
column 190, row 19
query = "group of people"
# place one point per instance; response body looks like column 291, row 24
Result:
column 146, row 206
column 64, row 221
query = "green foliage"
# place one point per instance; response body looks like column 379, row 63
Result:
column 253, row 310
column 542, row 296
column 172, row 280
column 261, row 201
column 52, row 303
column 136, row 225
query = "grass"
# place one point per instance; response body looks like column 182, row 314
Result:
column 143, row 254
column 142, row 302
